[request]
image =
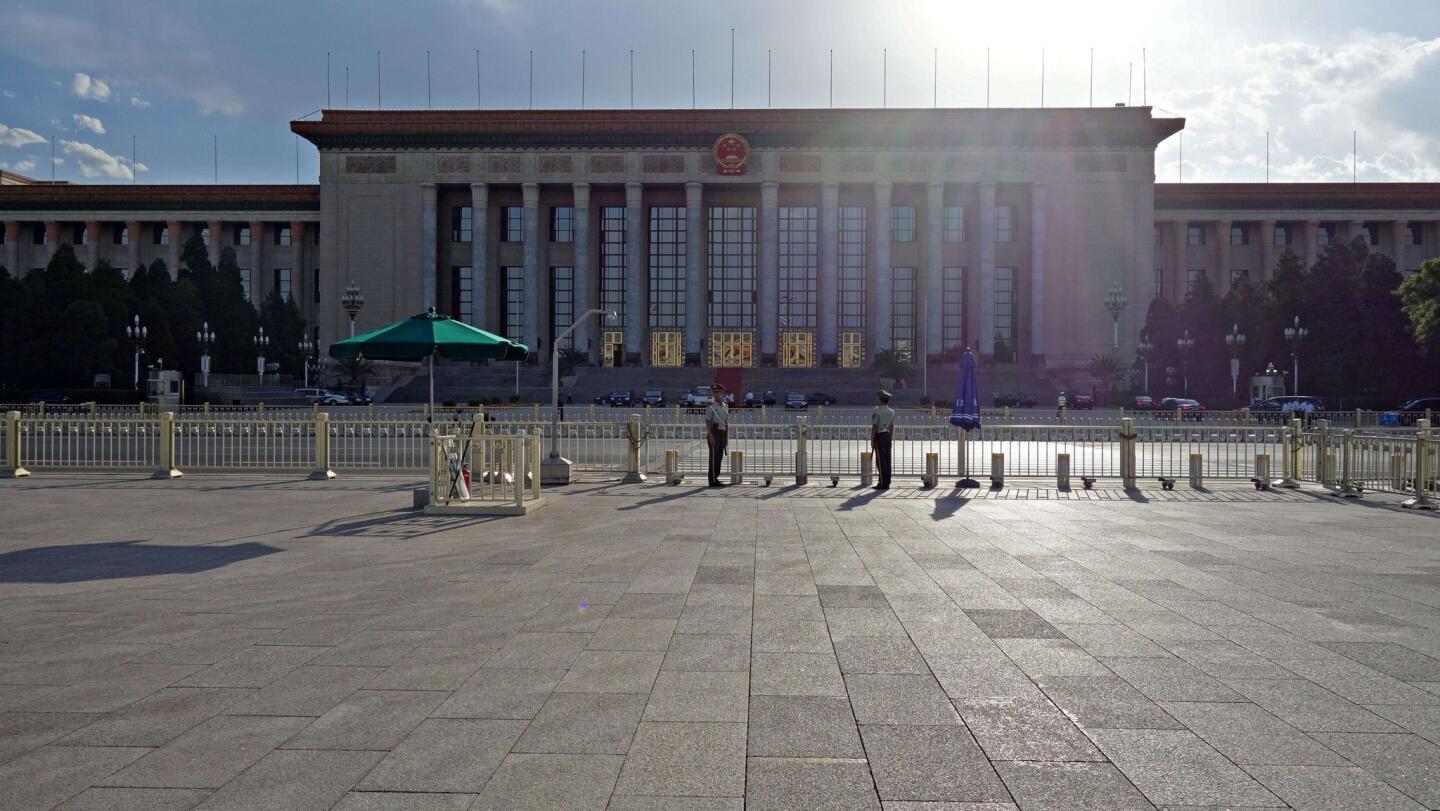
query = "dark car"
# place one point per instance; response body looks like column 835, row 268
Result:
column 621, row 398
column 1144, row 403
column 1185, row 408
column 1282, row 409
column 820, row 398
column 1081, row 402
column 601, row 399
column 1409, row 413
column 653, row 398
column 796, row 402
column 1015, row 401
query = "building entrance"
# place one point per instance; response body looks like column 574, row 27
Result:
column 797, row 349
column 612, row 346
column 732, row 349
column 852, row 350
column 667, row 348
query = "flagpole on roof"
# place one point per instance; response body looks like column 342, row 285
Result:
column 378, row 104
column 327, row 79
column 732, row 68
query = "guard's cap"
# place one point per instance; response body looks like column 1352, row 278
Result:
column 885, row 395
column 716, row 387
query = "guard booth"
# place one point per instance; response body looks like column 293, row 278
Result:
column 165, row 387
column 1267, row 384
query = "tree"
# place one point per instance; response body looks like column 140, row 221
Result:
column 1386, row 352
column 231, row 315
column 891, row 364
column 1420, row 300
column 1206, row 366
column 285, row 326
column 1331, row 312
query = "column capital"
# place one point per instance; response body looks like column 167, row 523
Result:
column 479, row 195
column 633, row 192
column 883, row 187
column 530, row 193
column 936, row 184
column 12, row 230
column 257, row 227
column 769, row 193
column 694, row 190
column 580, row 194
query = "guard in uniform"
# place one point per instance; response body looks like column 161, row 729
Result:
column 882, row 428
column 717, row 431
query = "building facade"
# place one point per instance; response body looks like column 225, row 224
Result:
column 790, row 238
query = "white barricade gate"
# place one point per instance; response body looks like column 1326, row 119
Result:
column 484, row 474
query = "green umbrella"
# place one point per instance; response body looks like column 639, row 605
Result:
column 425, row 336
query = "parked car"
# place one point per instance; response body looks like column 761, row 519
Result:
column 1015, row 401
column 820, row 398
column 653, row 398
column 1144, row 402
column 1186, row 408
column 1281, row 409
column 698, row 397
column 322, row 396
column 622, row 398
column 796, row 401
column 1081, row 402
column 601, row 399
column 1409, row 412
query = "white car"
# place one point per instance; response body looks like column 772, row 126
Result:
column 323, row 396
column 701, row 397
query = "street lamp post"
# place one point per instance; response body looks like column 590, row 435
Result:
column 1236, row 341
column 1115, row 302
column 261, row 342
column 138, row 333
column 306, row 347
column 352, row 301
column 1185, row 343
column 1294, row 334
column 1144, row 348
column 206, row 338
column 556, row 470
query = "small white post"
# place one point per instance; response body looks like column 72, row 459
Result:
column 167, row 469
column 932, row 471
column 802, row 457
column 1197, row 470
column 322, row 471
column 867, row 468
column 1397, row 472
column 1127, row 453
column 1262, row 471
column 997, row 471
column 1291, row 456
column 672, row 467
column 517, row 468
column 1062, row 471
column 12, row 468
column 533, row 448
column 737, row 467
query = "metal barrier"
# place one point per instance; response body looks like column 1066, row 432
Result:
column 484, row 473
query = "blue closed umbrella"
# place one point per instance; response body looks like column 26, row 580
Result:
column 966, row 412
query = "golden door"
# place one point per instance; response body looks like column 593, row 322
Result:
column 797, row 349
column 610, row 341
column 852, row 350
column 667, row 348
column 732, row 349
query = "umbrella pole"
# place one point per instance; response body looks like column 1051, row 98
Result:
column 430, row 415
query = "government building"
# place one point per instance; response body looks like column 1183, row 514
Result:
column 736, row 238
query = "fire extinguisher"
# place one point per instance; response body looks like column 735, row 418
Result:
column 465, row 476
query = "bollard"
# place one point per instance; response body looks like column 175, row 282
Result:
column 517, row 468
column 12, row 469
column 1006, row 415
column 1262, row 471
column 167, row 469
column 635, row 435
column 322, row 471
column 672, row 467
column 1062, row 471
column 1290, row 456
column 1346, row 488
column 1323, row 458
column 867, row 468
column 932, row 471
column 1397, row 473
column 802, row 456
column 1197, row 466
column 1421, row 500
column 997, row 471
column 1127, row 453
column 737, row 467
column 534, row 463
column 1060, row 414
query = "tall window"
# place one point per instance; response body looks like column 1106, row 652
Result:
column 612, row 263
column 462, row 223
column 667, row 267
column 902, row 223
column 1159, row 283
column 852, row 268
column 798, row 252
column 1322, row 235
column 242, row 235
column 1195, row 234
column 562, row 224
column 161, row 235
column 315, row 285
column 902, row 312
column 1238, row 276
column 282, row 235
column 952, row 309
column 1159, row 234
column 80, row 235
column 282, row 282
column 954, row 223
column 1372, row 235
column 732, row 267
column 1005, row 313
column 1004, row 224
column 562, row 304
column 1239, row 235
column 1417, row 237
column 245, row 284
column 462, row 292
column 1282, row 235
column 512, row 223
column 38, row 235
column 121, row 235
column 514, row 302
column 1192, row 278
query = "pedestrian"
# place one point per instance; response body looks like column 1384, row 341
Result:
column 717, row 431
column 1060, row 403
column 882, row 428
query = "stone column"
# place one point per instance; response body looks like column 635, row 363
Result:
column 481, row 280
column 52, row 242
column 428, row 240
column 1181, row 270
column 769, row 269
column 132, row 253
column 1039, row 200
column 584, row 334
column 530, row 195
column 828, row 316
column 1310, row 248
column 217, row 243
column 1267, row 249
column 1220, row 282
column 92, row 244
column 1400, row 236
column 259, row 285
column 636, row 314
column 1356, row 229
column 882, row 288
column 935, row 270
column 300, row 277
column 12, row 248
column 987, row 268
column 695, row 279
column 177, row 238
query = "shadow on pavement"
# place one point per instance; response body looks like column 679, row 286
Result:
column 401, row 523
column 78, row 563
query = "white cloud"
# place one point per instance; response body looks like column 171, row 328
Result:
column 136, row 101
column 9, row 94
column 95, row 162
column 89, row 123
column 25, row 165
column 86, row 87
column 14, row 136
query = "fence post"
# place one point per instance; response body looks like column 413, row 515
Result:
column 737, row 467
column 997, row 471
column 1323, row 458
column 963, row 448
column 1127, row 453
column 802, row 456
column 1262, row 471
column 1421, row 500
column 322, row 471
column 932, row 471
column 1197, row 471
column 1346, row 488
column 12, row 469
column 1290, row 456
column 534, row 463
column 1397, row 472
column 867, row 460
column 1062, row 471
column 672, row 467
column 167, row 469
column 517, row 467
column 636, row 436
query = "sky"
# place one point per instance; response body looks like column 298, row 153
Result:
column 185, row 81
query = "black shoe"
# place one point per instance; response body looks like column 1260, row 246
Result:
column 716, row 484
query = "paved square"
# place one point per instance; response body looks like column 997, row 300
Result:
column 242, row 643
